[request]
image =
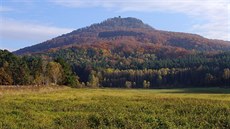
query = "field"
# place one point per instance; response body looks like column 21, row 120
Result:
column 65, row 107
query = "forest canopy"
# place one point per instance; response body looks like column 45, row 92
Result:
column 94, row 68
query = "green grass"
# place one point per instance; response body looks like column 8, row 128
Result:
column 114, row 108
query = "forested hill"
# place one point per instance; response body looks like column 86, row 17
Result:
column 131, row 32
column 120, row 52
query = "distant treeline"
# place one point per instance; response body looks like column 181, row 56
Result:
column 91, row 69
column 166, row 78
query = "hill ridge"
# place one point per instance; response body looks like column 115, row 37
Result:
column 127, row 30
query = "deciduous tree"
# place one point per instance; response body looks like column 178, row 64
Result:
column 55, row 71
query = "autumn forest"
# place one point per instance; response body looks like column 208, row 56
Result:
column 120, row 52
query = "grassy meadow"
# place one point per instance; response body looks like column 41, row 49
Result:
column 63, row 107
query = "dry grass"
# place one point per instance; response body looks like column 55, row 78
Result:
column 17, row 90
column 63, row 107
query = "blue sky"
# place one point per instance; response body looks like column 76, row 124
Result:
column 28, row 22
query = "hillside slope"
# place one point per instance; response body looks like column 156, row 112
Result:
column 131, row 32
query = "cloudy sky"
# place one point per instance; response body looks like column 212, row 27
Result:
column 28, row 22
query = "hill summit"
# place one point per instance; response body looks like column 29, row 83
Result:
column 129, row 31
column 128, row 22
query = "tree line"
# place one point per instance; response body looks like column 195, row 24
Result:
column 192, row 71
column 29, row 70
column 166, row 78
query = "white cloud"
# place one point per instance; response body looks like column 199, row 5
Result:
column 214, row 12
column 228, row 22
column 5, row 9
column 24, row 31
